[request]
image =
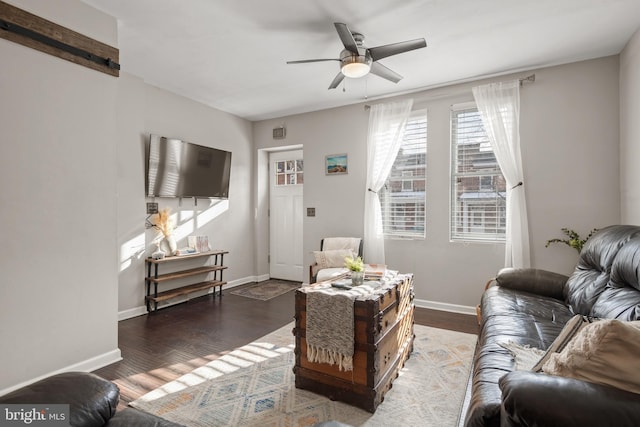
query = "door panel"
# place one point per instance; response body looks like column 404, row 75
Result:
column 286, row 215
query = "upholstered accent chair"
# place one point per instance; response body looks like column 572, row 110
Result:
column 329, row 260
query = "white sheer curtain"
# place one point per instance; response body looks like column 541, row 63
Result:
column 387, row 123
column 499, row 105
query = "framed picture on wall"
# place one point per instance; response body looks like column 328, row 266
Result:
column 336, row 164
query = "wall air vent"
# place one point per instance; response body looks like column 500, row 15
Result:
column 279, row 133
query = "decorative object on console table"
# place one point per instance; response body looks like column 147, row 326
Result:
column 154, row 297
column 199, row 243
column 186, row 251
column 158, row 254
column 168, row 245
column 164, row 224
column 383, row 340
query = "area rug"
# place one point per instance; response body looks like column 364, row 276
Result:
column 255, row 386
column 266, row 290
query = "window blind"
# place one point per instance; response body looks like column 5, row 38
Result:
column 402, row 199
column 478, row 189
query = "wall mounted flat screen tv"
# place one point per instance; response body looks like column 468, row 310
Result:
column 177, row 168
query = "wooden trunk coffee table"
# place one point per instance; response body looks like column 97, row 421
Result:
column 383, row 332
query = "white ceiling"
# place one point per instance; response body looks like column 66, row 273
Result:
column 231, row 54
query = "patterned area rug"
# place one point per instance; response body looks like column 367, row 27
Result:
column 255, row 386
column 266, row 290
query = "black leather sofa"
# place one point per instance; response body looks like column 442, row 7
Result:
column 530, row 307
column 92, row 401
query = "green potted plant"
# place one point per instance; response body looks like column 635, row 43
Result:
column 573, row 239
column 356, row 266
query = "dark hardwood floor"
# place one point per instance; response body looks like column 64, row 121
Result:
column 161, row 346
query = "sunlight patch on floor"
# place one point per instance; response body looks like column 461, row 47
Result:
column 243, row 357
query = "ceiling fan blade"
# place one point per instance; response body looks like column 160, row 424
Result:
column 380, row 52
column 336, row 81
column 380, row 70
column 305, row 61
column 346, row 37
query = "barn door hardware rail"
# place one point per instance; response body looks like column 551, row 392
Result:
column 32, row 31
column 7, row 26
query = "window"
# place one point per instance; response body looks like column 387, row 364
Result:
column 407, row 181
column 289, row 172
column 402, row 198
column 478, row 189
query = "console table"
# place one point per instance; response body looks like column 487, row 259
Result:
column 153, row 297
column 383, row 335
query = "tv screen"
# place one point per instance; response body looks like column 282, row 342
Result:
column 177, row 168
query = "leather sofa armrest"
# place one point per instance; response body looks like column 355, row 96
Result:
column 537, row 399
column 540, row 282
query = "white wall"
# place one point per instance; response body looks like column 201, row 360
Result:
column 228, row 224
column 630, row 130
column 571, row 154
column 58, row 297
column 569, row 134
column 131, row 200
column 73, row 153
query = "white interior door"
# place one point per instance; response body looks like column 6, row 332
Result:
column 286, row 177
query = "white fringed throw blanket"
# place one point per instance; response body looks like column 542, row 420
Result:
column 329, row 331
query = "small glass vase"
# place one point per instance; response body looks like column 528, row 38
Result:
column 357, row 278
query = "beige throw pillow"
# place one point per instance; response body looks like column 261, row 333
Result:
column 603, row 352
column 332, row 259
column 570, row 330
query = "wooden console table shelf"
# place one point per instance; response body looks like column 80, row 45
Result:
column 185, row 273
column 184, row 290
column 153, row 296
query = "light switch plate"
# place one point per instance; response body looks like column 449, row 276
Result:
column 152, row 208
column 311, row 211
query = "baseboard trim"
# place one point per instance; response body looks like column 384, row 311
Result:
column 262, row 278
column 142, row 310
column 88, row 365
column 434, row 305
column 442, row 306
column 245, row 280
column 132, row 312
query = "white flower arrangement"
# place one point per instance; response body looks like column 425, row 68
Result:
column 162, row 222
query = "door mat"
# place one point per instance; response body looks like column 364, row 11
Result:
column 266, row 290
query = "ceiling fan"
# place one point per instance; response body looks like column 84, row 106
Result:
column 357, row 60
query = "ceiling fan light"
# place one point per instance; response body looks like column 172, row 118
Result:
column 355, row 66
column 356, row 69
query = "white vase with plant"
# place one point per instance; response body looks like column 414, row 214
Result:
column 356, row 266
column 164, row 224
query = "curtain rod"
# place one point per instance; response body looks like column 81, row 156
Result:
column 529, row 79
